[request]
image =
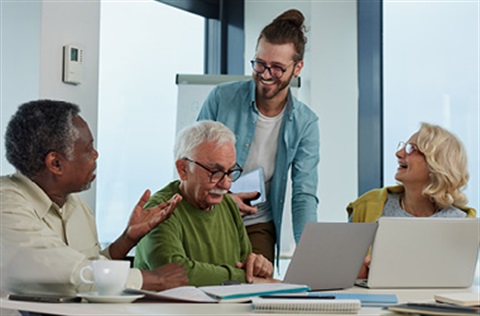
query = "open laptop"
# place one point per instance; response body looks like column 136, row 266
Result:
column 424, row 253
column 330, row 255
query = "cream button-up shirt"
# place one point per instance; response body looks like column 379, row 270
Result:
column 44, row 247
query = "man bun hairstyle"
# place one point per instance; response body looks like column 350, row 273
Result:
column 288, row 27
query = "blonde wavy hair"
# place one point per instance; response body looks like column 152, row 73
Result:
column 447, row 162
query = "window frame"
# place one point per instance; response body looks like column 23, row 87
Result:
column 224, row 33
column 370, row 101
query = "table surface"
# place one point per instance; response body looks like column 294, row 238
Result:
column 161, row 308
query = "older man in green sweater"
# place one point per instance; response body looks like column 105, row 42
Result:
column 206, row 233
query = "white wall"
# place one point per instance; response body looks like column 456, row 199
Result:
column 33, row 34
column 329, row 87
column 334, row 96
column 20, row 61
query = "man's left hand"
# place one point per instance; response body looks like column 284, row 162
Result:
column 142, row 221
column 256, row 265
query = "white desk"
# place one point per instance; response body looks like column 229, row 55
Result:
column 144, row 308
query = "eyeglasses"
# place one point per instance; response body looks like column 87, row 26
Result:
column 217, row 176
column 409, row 147
column 275, row 71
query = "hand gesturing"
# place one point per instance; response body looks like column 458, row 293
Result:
column 142, row 221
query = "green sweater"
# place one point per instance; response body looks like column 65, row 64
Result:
column 207, row 244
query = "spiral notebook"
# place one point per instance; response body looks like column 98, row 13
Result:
column 305, row 306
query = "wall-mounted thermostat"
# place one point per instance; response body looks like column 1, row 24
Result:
column 72, row 64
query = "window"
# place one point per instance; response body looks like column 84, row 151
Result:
column 143, row 45
column 431, row 73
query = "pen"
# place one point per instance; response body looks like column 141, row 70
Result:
column 231, row 282
column 308, row 297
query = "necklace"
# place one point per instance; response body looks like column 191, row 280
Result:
column 402, row 206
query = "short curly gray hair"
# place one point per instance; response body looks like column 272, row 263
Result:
column 37, row 128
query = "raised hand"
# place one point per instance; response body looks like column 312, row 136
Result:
column 142, row 221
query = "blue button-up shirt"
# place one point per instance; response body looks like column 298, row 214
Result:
column 234, row 105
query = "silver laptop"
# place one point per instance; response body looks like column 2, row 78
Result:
column 424, row 253
column 330, row 255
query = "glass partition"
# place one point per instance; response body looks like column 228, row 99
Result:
column 143, row 45
column 431, row 73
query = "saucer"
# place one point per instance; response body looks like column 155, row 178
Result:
column 94, row 297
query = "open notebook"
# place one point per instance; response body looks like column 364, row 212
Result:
column 424, row 253
column 221, row 293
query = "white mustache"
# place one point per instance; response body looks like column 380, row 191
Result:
column 218, row 191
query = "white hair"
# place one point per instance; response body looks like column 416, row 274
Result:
column 191, row 137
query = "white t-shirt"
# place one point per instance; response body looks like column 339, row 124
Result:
column 262, row 154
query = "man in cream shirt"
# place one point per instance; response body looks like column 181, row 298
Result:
column 48, row 233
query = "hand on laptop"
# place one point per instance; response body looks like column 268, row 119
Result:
column 363, row 274
column 256, row 265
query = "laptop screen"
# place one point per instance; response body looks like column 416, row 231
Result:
column 329, row 255
column 424, row 253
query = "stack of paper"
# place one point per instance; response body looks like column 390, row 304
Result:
column 439, row 309
column 462, row 299
column 458, row 304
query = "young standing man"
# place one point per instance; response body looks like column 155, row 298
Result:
column 274, row 131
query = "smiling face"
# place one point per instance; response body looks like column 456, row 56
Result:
column 195, row 181
column 268, row 87
column 79, row 171
column 412, row 168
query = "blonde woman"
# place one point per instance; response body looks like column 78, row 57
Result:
column 432, row 172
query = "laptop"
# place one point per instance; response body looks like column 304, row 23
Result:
column 424, row 253
column 330, row 255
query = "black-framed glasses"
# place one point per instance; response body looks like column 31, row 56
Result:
column 409, row 147
column 217, row 176
column 275, row 71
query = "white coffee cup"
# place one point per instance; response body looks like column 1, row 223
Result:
column 109, row 276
